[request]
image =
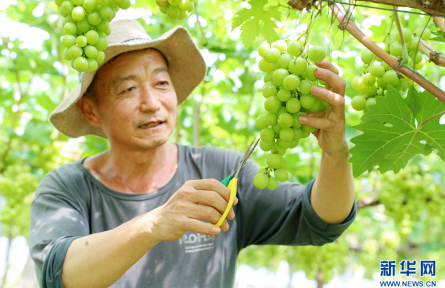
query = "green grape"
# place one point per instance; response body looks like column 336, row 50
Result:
column 407, row 35
column 173, row 12
column 94, row 18
column 316, row 54
column 70, row 28
column 83, row 26
column 272, row 104
column 398, row 86
column 174, row 2
column 67, row 55
column 106, row 13
column 285, row 120
column 278, row 150
column 298, row 66
column 281, row 174
column 367, row 56
column 417, row 57
column 259, row 123
column 78, row 14
column 192, row 7
column 395, row 49
column 285, row 60
column 284, row 163
column 263, row 47
column 382, row 83
column 316, row 106
column 275, row 161
column 59, row 2
column 276, row 128
column 426, row 33
column 269, row 89
column 279, row 75
column 293, row 105
column 283, row 95
column 261, row 181
column 264, row 66
column 80, row 64
column 90, row 5
column 368, row 79
column 283, row 144
column 102, row 26
column 75, row 52
column 272, row 183
column 81, row 41
column 305, row 87
column 357, row 83
column 91, row 51
column 92, row 65
column 358, row 103
column 294, row 48
column 305, row 133
column 287, row 134
column 309, row 129
column 100, row 57
column 77, row 2
column 72, row 63
column 268, row 77
column 298, row 133
column 68, row 41
column 291, row 82
column 162, row 3
column 369, row 91
column 102, row 2
column 184, row 5
column 124, row 4
column 92, row 37
column 67, row 7
column 325, row 104
column 309, row 73
column 261, row 171
column 294, row 143
column 266, row 145
column 307, row 101
column 281, row 110
column 377, row 70
column 412, row 46
column 390, row 77
column 271, row 55
column 102, row 44
column 280, row 45
column 267, row 134
column 369, row 102
column 421, row 64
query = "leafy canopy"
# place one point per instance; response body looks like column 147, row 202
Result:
column 250, row 29
column 391, row 136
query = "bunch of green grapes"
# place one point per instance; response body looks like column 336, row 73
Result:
column 287, row 89
column 176, row 9
column 86, row 27
column 377, row 76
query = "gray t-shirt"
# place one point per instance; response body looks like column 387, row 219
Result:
column 70, row 203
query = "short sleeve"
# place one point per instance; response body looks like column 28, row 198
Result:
column 56, row 220
column 283, row 216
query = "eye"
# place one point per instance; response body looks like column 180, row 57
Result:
column 165, row 83
column 128, row 90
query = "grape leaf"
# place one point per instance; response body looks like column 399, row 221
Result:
column 438, row 39
column 393, row 144
column 250, row 28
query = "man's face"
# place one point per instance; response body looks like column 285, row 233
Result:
column 133, row 90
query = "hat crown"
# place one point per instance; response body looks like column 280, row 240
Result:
column 124, row 30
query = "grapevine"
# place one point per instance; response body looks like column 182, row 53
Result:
column 176, row 9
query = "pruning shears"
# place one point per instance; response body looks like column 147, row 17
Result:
column 231, row 181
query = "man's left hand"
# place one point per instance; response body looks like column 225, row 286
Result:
column 330, row 123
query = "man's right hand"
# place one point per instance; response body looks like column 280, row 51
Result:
column 197, row 200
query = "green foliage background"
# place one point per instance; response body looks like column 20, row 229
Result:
column 400, row 216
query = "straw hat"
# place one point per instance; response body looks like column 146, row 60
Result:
column 186, row 68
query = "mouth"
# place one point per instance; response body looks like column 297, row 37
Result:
column 152, row 125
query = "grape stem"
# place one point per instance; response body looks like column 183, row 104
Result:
column 358, row 34
column 404, row 50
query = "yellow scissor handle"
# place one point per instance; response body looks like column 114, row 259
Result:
column 232, row 186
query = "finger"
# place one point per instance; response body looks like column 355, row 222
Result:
column 206, row 213
column 319, row 123
column 211, row 199
column 333, row 80
column 317, row 114
column 212, row 185
column 327, row 65
column 337, row 101
column 197, row 226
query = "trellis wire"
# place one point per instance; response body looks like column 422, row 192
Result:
column 378, row 8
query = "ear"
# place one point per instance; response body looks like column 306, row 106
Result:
column 90, row 110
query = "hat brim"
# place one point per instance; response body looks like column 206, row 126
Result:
column 187, row 69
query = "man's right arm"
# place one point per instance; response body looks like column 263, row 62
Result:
column 100, row 259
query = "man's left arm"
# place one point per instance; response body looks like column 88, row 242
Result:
column 332, row 195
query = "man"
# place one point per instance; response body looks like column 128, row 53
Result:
column 140, row 214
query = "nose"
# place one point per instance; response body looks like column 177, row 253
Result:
column 149, row 99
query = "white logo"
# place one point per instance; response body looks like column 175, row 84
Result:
column 197, row 238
